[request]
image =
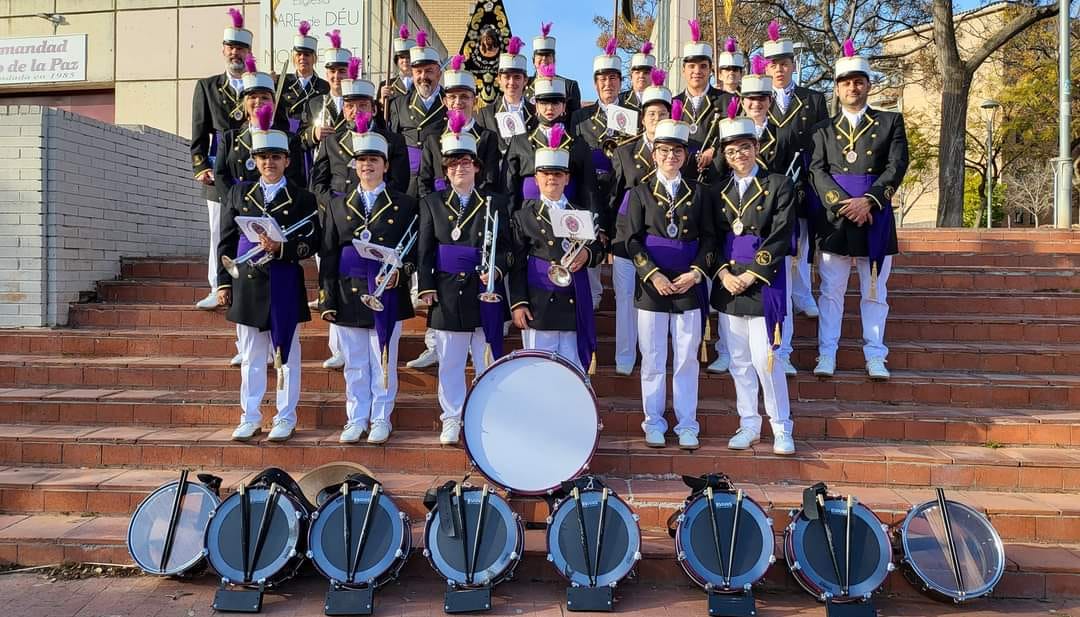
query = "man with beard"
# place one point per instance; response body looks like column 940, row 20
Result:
column 544, row 54
column 400, row 83
column 641, row 66
column 513, row 71
column 419, row 113
column 302, row 85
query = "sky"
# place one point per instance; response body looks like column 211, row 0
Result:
column 574, row 31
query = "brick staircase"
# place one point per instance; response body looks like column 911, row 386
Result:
column 984, row 400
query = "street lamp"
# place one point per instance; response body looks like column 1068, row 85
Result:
column 989, row 110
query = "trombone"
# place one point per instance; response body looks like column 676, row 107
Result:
column 487, row 260
column 232, row 266
column 388, row 268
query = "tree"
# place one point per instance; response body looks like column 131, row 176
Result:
column 921, row 175
column 1029, row 187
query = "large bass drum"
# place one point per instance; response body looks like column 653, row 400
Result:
column 165, row 535
column 531, row 422
column 719, row 553
column 450, row 537
column 575, row 530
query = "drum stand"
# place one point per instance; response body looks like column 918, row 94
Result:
column 864, row 608
column 248, row 600
column 472, row 599
column 592, row 597
column 342, row 600
column 739, row 604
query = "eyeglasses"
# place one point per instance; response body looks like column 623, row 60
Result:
column 270, row 157
column 733, row 152
column 459, row 163
column 666, row 152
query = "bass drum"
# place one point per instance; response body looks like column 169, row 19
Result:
column 807, row 552
column 928, row 562
column 696, row 542
column 149, row 527
column 502, row 541
column 621, row 548
column 531, row 422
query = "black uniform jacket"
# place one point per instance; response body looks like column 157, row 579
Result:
column 397, row 87
column 633, row 165
column 234, row 162
column 591, row 124
column 573, row 93
column 532, row 235
column 647, row 215
column 487, row 150
column 332, row 116
column 768, row 211
column 520, row 164
column 295, row 99
column 333, row 171
column 251, row 290
column 215, row 108
column 776, row 150
column 485, row 117
column 409, row 119
column 344, row 221
column 806, row 108
column 706, row 118
column 880, row 143
column 629, row 100
column 457, row 307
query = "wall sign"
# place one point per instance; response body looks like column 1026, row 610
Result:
column 43, row 59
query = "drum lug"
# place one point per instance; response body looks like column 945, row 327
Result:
column 885, row 528
column 309, row 554
column 636, row 517
column 514, row 556
column 548, row 520
column 402, row 516
column 205, row 552
column 398, row 553
column 681, row 556
column 599, row 426
column 769, row 521
column 795, row 567
column 709, row 587
column 225, row 581
column 292, row 553
column 747, row 587
column 427, row 553
column 680, row 518
column 866, row 596
column 261, row 582
column 299, row 515
column 613, row 584
column 637, row 555
column 890, row 567
column 427, row 517
column 585, row 467
column 314, row 515
column 772, row 559
column 826, row 596
column 550, row 557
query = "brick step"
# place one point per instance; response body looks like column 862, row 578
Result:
column 865, row 463
column 1039, row 518
column 987, row 259
column 620, row 416
column 103, row 342
column 1064, row 245
column 1033, row 571
column 956, row 388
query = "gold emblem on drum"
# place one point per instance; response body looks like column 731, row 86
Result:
column 832, row 197
column 763, row 258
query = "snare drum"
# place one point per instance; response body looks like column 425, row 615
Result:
column 531, row 422
column 698, row 540
column 148, row 532
column 502, row 540
column 621, row 546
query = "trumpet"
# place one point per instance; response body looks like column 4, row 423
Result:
column 261, row 257
column 559, row 273
column 487, row 261
column 406, row 243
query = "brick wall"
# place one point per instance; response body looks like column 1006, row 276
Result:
column 76, row 195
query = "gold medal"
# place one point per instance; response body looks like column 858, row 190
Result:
column 672, row 230
column 737, row 227
column 455, row 233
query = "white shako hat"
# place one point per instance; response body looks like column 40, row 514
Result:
column 673, row 130
column 336, row 55
column 736, row 127
column 365, row 141
column 254, row 80
column 777, row 47
column 512, row 60
column 731, row 57
column 421, row 53
column 456, row 77
column 547, row 86
column 644, row 58
column 354, row 87
column 756, row 83
column 303, row 42
column 402, row 44
column 263, row 139
column 608, row 61
column 657, row 92
column 545, row 43
column 237, row 35
column 553, row 157
column 456, row 140
column 695, row 49
column 850, row 64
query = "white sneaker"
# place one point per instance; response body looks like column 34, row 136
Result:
column 352, row 433
column 246, row 430
column 334, row 361
column 810, row 310
column 789, row 368
column 451, row 431
column 875, row 367
column 237, row 360
column 208, row 303
column 282, row 431
column 720, row 364
column 655, row 439
column 743, row 439
column 688, row 440
column 826, row 366
column 380, row 431
column 783, row 444
column 424, row 360
column 622, row 369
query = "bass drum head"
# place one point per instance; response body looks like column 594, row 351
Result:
column 500, row 546
column 978, row 549
column 531, row 423
column 385, row 549
column 871, row 553
column 150, row 523
column 696, row 549
column 622, row 539
column 288, row 525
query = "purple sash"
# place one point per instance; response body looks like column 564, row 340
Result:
column 586, row 327
column 352, row 265
column 601, row 162
column 529, row 189
column 856, row 185
column 454, row 259
column 624, row 206
column 414, row 159
column 440, row 184
column 284, row 310
column 677, row 255
column 743, row 249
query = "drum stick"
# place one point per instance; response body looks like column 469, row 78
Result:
column 734, row 538
column 174, row 519
column 600, row 533
column 715, row 530
column 584, row 536
column 245, row 527
column 347, row 527
column 479, row 532
column 847, row 546
column 823, row 514
column 943, row 506
column 373, row 503
column 464, row 532
column 264, row 528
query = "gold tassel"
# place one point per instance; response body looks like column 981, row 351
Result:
column 279, row 367
column 489, row 359
column 704, row 357
column 592, row 364
column 769, row 364
column 873, row 280
column 777, row 340
column 386, row 368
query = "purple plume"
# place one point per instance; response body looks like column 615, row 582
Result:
column 456, row 121
column 731, row 45
column 335, row 38
column 658, row 76
column 249, row 64
column 514, row 45
column 305, row 27
column 547, row 71
column 849, row 48
column 733, row 108
column 757, row 64
column 611, row 46
column 363, row 122
column 545, row 29
column 263, row 115
column 237, row 18
column 676, row 110
column 647, row 48
column 774, row 30
column 557, row 132
column 403, row 31
column 457, row 62
column 354, row 67
column 695, row 30
column 421, row 38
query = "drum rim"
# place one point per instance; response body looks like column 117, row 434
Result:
column 764, row 561
column 918, row 572
column 608, row 578
column 296, row 533
column 796, row 528
column 390, row 563
column 435, row 557
column 533, row 353
column 199, row 556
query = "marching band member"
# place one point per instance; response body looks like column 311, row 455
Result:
column 702, row 102
column 419, row 113
column 268, row 301
column 641, row 66
column 670, row 238
column 513, row 71
column 375, row 214
column 730, row 65
column 544, row 54
column 455, row 225
column 216, row 108
column 324, row 112
column 303, row 85
column 860, row 158
column 400, row 83
column 552, row 317
column 754, row 212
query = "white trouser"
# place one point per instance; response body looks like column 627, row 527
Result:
column 685, row 332
column 335, row 340
column 799, row 279
column 748, row 342
column 254, row 347
column 788, row 329
column 365, row 396
column 213, row 209
column 562, row 342
column 623, row 279
column 834, row 271
column 453, row 350
column 721, row 343
column 595, row 286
